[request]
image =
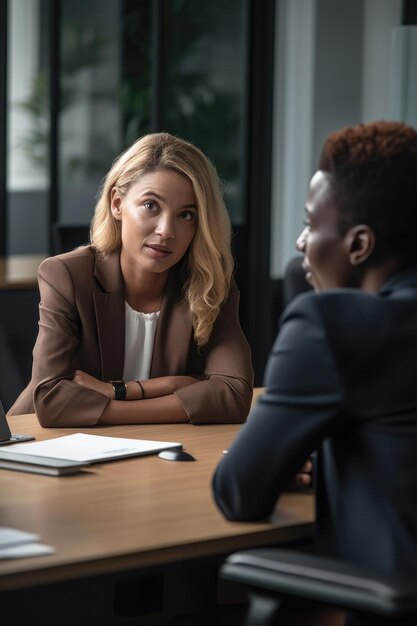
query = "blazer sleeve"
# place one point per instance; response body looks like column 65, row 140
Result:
column 303, row 398
column 225, row 394
column 57, row 400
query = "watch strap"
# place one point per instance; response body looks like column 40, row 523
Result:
column 120, row 389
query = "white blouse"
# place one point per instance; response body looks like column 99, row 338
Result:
column 139, row 342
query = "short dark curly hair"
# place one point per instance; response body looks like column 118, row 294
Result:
column 372, row 172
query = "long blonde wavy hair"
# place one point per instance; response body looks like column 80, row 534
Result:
column 209, row 260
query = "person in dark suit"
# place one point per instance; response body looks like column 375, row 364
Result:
column 341, row 376
column 143, row 325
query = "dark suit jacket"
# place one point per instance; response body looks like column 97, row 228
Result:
column 82, row 326
column 341, row 378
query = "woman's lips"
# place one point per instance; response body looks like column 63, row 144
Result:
column 158, row 252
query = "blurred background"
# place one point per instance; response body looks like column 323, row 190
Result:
column 256, row 84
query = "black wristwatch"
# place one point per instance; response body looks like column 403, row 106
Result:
column 120, row 389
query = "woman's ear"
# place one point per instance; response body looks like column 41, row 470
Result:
column 360, row 241
column 116, row 204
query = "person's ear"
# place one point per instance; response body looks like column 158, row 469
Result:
column 116, row 204
column 360, row 241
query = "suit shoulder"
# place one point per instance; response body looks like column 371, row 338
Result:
column 69, row 271
column 335, row 301
column 80, row 257
column 348, row 316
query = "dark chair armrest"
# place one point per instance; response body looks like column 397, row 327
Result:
column 315, row 578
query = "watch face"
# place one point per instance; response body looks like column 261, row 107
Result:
column 119, row 387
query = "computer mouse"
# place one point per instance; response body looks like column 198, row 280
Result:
column 176, row 454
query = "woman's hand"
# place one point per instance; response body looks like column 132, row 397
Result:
column 89, row 382
column 182, row 381
column 303, row 478
column 154, row 388
column 164, row 385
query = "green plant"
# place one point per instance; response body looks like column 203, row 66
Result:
column 81, row 48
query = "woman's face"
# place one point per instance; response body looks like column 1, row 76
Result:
column 326, row 252
column 158, row 220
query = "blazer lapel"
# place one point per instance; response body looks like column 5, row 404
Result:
column 174, row 331
column 110, row 315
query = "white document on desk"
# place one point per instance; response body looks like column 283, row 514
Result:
column 15, row 536
column 26, row 550
column 90, row 448
column 17, row 544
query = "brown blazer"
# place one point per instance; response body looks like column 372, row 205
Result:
column 82, row 326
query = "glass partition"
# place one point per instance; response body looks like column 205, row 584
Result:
column 205, row 85
column 27, row 122
column 124, row 67
column 90, row 124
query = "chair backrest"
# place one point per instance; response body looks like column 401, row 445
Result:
column 19, row 314
column 66, row 237
column 11, row 381
column 294, row 281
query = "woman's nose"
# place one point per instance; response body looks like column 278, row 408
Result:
column 165, row 227
column 301, row 241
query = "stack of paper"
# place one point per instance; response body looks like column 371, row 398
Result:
column 38, row 464
column 69, row 454
column 15, row 544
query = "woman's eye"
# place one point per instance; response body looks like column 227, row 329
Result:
column 149, row 205
column 189, row 216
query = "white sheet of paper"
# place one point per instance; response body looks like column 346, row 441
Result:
column 26, row 550
column 90, row 448
column 15, row 536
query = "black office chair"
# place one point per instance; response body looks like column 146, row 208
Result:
column 19, row 314
column 294, row 281
column 66, row 237
column 278, row 578
column 11, row 381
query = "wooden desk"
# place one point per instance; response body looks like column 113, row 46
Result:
column 20, row 271
column 133, row 514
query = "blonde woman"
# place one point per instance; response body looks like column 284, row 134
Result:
column 142, row 325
